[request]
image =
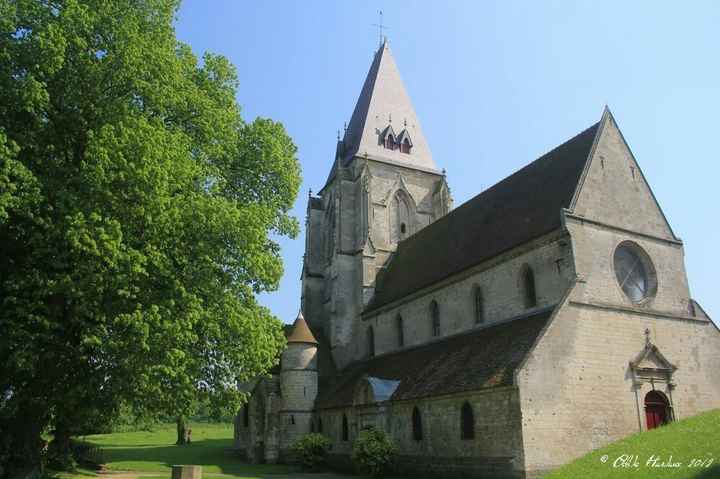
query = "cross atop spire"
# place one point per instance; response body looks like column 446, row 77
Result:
column 380, row 26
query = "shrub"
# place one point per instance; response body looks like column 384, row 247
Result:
column 373, row 452
column 311, row 450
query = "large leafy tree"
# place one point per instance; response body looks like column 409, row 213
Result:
column 137, row 211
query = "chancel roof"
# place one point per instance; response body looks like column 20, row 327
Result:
column 523, row 206
column 483, row 358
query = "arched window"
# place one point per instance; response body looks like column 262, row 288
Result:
column 417, row 433
column 657, row 409
column 467, row 422
column 399, row 217
column 478, row 305
column 345, row 434
column 435, row 316
column 246, row 415
column 400, row 331
column 319, row 426
column 330, row 232
column 528, row 280
column 405, row 146
column 390, row 141
column 371, row 341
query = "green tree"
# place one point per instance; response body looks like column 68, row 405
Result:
column 137, row 211
column 373, row 452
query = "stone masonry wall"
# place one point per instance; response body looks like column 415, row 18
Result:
column 496, row 447
column 502, row 290
column 577, row 390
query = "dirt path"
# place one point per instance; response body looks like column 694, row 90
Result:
column 137, row 474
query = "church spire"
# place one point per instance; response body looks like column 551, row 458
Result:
column 382, row 115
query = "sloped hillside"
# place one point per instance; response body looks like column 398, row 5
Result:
column 687, row 449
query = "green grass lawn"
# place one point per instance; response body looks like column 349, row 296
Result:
column 696, row 438
column 155, row 451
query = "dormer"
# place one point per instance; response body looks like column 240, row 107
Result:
column 404, row 142
column 388, row 138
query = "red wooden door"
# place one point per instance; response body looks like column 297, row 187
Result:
column 656, row 409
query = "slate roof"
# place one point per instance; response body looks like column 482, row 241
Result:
column 482, row 358
column 326, row 363
column 522, row 207
column 301, row 332
column 383, row 103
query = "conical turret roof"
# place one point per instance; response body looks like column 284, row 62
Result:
column 301, row 332
column 384, row 103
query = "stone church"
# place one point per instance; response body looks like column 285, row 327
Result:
column 545, row 317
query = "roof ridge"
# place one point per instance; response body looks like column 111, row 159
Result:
column 507, row 178
column 483, row 358
column 454, row 211
column 475, row 330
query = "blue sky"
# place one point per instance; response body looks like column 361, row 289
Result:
column 495, row 84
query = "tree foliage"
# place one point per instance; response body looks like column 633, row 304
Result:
column 137, row 211
column 373, row 452
column 311, row 451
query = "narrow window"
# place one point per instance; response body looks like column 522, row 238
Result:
column 435, row 315
column 371, row 341
column 467, row 422
column 345, row 428
column 246, row 415
column 417, row 433
column 400, row 331
column 405, row 146
column 390, row 142
column 529, row 288
column 478, row 305
column 319, row 426
column 292, row 419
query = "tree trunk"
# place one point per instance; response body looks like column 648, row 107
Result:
column 23, row 444
column 60, row 451
column 180, row 431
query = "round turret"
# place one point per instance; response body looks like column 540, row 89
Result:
column 298, row 368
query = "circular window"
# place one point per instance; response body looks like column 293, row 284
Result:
column 634, row 272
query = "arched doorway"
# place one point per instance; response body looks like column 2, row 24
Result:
column 657, row 409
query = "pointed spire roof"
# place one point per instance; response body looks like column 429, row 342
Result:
column 301, row 332
column 384, row 102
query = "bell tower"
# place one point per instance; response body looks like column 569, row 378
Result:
column 383, row 187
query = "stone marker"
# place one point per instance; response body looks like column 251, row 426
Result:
column 186, row 472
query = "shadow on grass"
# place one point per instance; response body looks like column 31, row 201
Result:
column 710, row 473
column 214, row 454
